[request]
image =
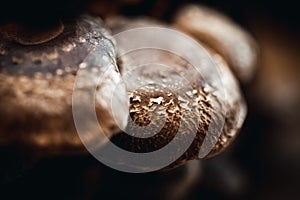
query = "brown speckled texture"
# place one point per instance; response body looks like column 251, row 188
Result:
column 203, row 99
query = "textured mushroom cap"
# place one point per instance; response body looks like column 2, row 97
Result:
column 36, row 86
column 169, row 107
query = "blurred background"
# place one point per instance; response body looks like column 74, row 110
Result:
column 262, row 163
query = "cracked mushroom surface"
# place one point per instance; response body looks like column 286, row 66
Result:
column 191, row 108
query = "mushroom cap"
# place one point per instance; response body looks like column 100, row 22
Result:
column 36, row 85
column 223, row 35
column 168, row 107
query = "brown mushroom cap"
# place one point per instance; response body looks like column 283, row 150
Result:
column 144, row 101
column 221, row 34
column 36, row 86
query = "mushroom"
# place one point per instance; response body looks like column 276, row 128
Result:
column 169, row 107
column 37, row 75
column 203, row 110
column 223, row 35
